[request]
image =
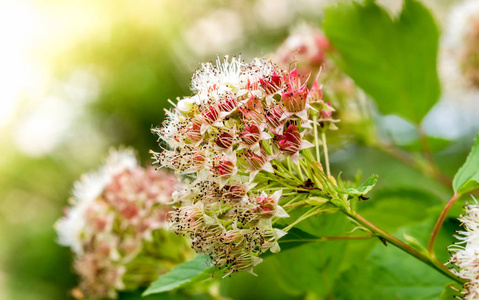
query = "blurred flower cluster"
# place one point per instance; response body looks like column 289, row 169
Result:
column 243, row 119
column 116, row 226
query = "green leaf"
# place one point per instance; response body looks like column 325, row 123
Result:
column 394, row 208
column 180, row 275
column 390, row 273
column 394, row 61
column 451, row 291
column 364, row 188
column 467, row 178
column 198, row 269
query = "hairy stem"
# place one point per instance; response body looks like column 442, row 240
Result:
column 440, row 221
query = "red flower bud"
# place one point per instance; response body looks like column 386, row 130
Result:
column 228, row 104
column 271, row 85
column 290, row 141
column 251, row 136
column 274, row 116
column 211, row 115
column 255, row 162
column 224, row 167
column 224, row 140
column 295, row 101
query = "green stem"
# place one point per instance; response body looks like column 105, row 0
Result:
column 422, row 256
column 325, row 149
column 439, row 223
column 316, row 141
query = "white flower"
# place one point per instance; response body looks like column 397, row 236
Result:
column 225, row 73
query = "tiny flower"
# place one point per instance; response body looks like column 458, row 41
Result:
column 269, row 205
column 291, row 142
column 225, row 140
column 257, row 162
column 185, row 105
column 295, row 99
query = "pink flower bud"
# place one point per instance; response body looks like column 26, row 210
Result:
column 251, row 136
column 224, row 140
column 255, row 162
column 267, row 205
column 194, row 132
column 295, row 100
column 315, row 94
column 224, row 167
column 290, row 141
column 274, row 116
column 211, row 115
column 228, row 104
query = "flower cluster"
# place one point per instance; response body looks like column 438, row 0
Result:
column 461, row 41
column 116, row 213
column 466, row 252
column 243, row 119
column 307, row 46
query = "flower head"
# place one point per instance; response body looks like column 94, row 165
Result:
column 242, row 117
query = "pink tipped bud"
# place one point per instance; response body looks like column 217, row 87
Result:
column 327, row 114
column 315, row 93
column 290, row 141
column 295, row 101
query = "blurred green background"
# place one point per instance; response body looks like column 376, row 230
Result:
column 81, row 76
